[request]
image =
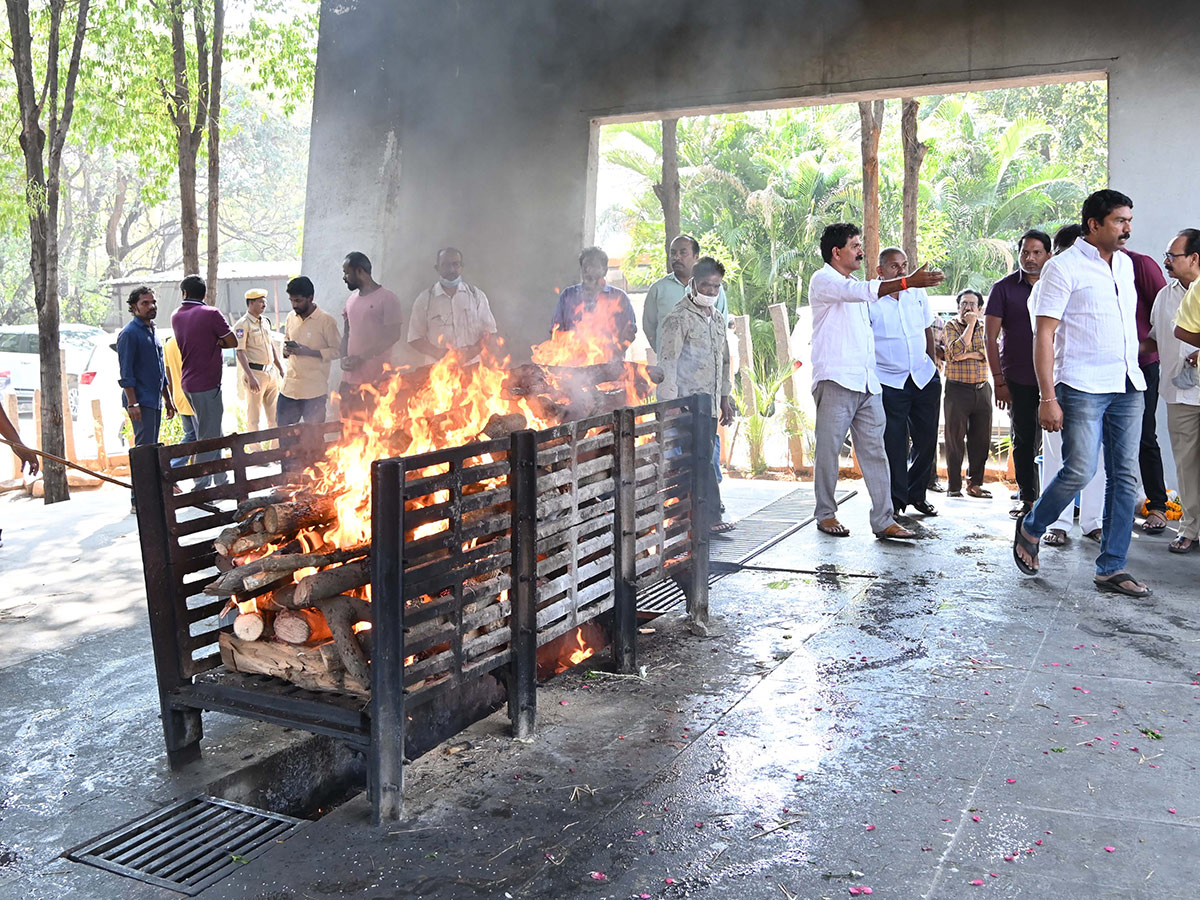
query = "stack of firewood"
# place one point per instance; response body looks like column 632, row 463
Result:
column 309, row 611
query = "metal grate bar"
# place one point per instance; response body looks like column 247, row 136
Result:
column 187, row 846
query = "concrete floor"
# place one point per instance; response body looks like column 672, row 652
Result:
column 908, row 718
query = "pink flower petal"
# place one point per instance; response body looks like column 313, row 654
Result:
column 994, row 874
column 977, row 882
column 1171, row 811
column 721, row 733
column 854, row 892
column 668, row 881
column 974, row 818
column 598, row 876
column 562, row 702
column 872, row 827
column 1110, row 849
column 1012, row 781
column 866, row 890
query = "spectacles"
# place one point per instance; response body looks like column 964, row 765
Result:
column 1170, row 255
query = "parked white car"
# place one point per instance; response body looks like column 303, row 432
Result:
column 20, row 368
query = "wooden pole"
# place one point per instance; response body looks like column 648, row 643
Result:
column 10, row 407
column 741, row 328
column 98, row 428
column 37, row 418
column 783, row 357
column 68, row 421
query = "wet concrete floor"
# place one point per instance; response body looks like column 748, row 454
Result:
column 906, row 718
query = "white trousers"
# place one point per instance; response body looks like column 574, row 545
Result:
column 1091, row 498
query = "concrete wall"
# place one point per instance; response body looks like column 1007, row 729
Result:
column 472, row 121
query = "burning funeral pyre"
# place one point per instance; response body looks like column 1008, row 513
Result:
column 296, row 562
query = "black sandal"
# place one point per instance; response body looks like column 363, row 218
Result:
column 1024, row 543
column 1113, row 584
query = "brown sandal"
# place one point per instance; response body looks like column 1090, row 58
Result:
column 975, row 490
column 837, row 529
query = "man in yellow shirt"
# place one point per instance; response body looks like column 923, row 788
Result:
column 312, row 342
column 174, row 364
column 1187, row 323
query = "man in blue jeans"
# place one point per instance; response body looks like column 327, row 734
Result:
column 143, row 375
column 1086, row 359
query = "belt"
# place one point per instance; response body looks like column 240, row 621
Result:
column 977, row 387
column 258, row 367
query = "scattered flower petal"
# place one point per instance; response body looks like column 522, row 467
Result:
column 1171, row 811
column 977, row 882
column 598, row 876
column 872, row 827
column 1110, row 849
column 974, row 818
column 1012, row 781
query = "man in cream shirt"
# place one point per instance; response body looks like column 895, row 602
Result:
column 845, row 385
column 1086, row 358
column 451, row 315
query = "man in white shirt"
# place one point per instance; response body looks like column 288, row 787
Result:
column 451, row 315
column 902, row 324
column 1086, row 358
column 845, row 384
column 1182, row 262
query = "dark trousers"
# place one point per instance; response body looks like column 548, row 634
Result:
column 1026, row 437
column 912, row 413
column 969, row 422
column 1149, row 453
column 145, row 433
column 291, row 412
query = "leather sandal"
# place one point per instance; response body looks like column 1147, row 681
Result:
column 836, row 529
column 975, row 490
column 1055, row 537
column 1029, row 545
column 1116, row 584
column 895, row 532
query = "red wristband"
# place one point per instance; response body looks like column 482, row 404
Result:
column 904, row 283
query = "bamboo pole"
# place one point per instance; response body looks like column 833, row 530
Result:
column 10, row 407
column 68, row 421
column 98, row 430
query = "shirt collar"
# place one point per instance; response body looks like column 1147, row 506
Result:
column 675, row 278
column 193, row 300
column 149, row 326
column 439, row 287
column 1088, row 249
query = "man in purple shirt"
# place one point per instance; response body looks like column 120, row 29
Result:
column 202, row 332
column 1011, row 360
column 596, row 307
column 1148, row 280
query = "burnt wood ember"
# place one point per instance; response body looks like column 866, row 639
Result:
column 331, row 582
column 280, row 565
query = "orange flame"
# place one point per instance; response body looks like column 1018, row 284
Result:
column 584, row 650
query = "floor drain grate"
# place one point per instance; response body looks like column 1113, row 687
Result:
column 765, row 528
column 187, row 846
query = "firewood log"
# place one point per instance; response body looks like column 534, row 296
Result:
column 500, row 425
column 332, row 582
column 281, row 564
column 283, row 518
column 248, row 542
column 250, row 626
column 300, row 626
column 343, row 613
column 248, row 507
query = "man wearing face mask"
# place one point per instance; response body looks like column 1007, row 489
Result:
column 595, row 308
column 846, row 386
column 451, row 315
column 695, row 352
column 664, row 295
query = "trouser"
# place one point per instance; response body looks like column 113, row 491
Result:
column 911, row 412
column 1091, row 498
column 262, row 401
column 969, row 422
column 1149, row 453
column 1183, row 424
column 145, row 433
column 209, row 410
column 841, row 410
column 1026, row 436
column 291, row 412
column 189, row 435
column 1091, row 422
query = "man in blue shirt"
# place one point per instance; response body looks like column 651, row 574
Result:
column 595, row 308
column 143, row 373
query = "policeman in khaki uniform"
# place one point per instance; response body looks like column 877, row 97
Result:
column 258, row 361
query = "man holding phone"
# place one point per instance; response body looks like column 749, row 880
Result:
column 312, row 342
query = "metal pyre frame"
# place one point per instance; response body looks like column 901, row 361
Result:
column 481, row 555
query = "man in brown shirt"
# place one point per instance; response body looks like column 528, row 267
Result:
column 968, row 397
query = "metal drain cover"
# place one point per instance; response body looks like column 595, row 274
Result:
column 187, row 846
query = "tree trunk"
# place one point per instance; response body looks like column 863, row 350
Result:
column 914, row 155
column 188, row 132
column 42, row 174
column 667, row 190
column 871, row 115
column 214, row 145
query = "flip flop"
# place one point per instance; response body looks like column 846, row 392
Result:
column 1157, row 528
column 1055, row 537
column 1177, row 545
column 896, row 532
column 721, row 528
column 838, row 530
column 977, row 491
column 1026, row 506
column 1114, row 585
column 1096, row 534
column 1024, row 543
